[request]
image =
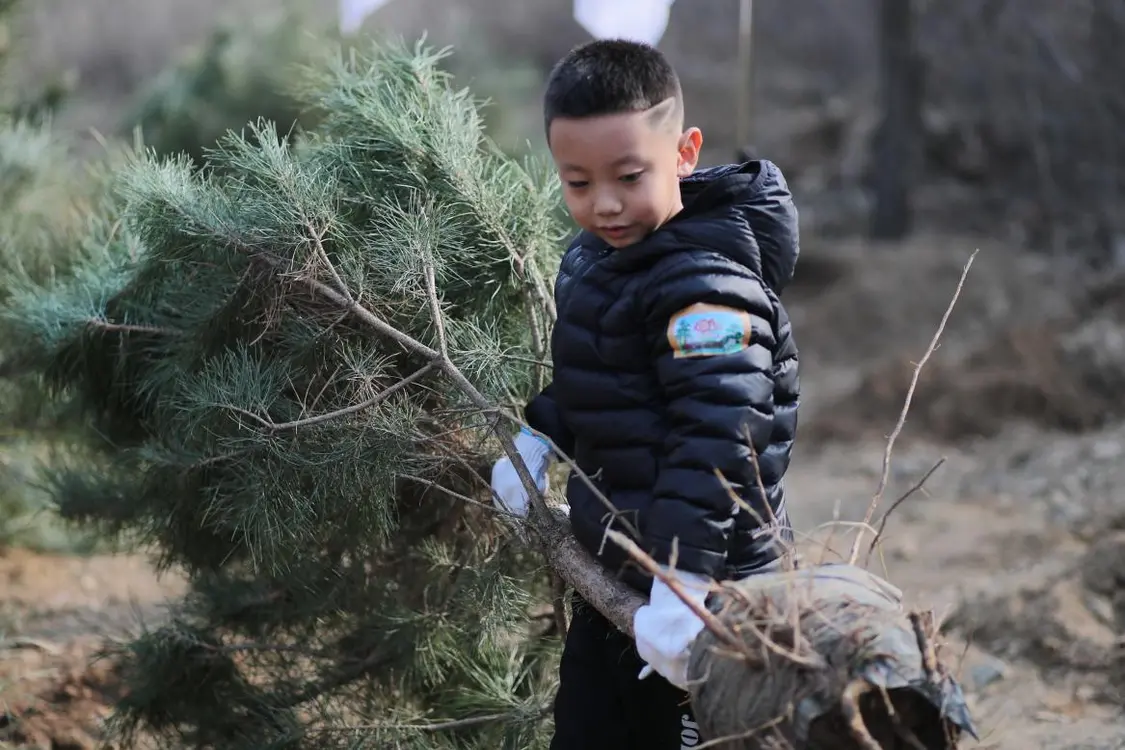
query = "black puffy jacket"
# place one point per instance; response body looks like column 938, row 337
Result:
column 671, row 357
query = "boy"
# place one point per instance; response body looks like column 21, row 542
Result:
column 673, row 359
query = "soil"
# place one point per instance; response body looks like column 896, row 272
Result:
column 1017, row 540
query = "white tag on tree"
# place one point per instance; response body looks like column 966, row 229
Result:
column 354, row 12
column 636, row 20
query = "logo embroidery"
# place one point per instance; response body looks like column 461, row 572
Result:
column 689, row 734
column 707, row 330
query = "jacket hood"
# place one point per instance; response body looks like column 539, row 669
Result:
column 752, row 199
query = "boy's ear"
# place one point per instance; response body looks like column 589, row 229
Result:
column 691, row 141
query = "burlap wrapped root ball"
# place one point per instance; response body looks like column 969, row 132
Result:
column 818, row 657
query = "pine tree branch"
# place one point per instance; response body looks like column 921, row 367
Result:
column 614, row 599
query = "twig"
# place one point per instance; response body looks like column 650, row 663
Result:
column 317, row 236
column 558, row 604
column 849, row 703
column 345, row 411
column 925, row 647
column 435, row 309
column 887, row 452
column 442, row 726
column 453, row 494
column 748, row 734
column 34, row 644
column 787, row 561
column 542, row 363
column 105, row 325
column 901, row 499
column 537, row 344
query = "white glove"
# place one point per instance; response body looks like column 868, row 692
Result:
column 666, row 627
column 508, row 492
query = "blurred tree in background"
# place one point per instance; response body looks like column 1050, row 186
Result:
column 323, row 489
column 244, row 72
column 235, row 77
column 14, row 103
column 46, row 199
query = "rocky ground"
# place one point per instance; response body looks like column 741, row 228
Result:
column 1017, row 540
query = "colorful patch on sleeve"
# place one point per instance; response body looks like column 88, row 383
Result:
column 708, row 330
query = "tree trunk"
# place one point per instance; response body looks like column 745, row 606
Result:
column 897, row 147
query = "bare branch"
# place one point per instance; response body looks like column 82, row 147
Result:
column 338, row 413
column 901, row 499
column 888, row 451
column 105, row 325
column 435, row 308
column 317, row 237
column 453, row 494
column 850, row 705
column 445, row 726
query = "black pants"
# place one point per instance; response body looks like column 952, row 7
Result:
column 601, row 705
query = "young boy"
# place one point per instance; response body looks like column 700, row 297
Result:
column 673, row 360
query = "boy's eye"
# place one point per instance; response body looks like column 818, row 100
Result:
column 633, row 177
column 576, row 184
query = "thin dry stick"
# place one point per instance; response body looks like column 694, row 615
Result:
column 343, row 412
column 748, row 734
column 455, row 495
column 787, row 559
column 929, row 659
column 849, row 704
column 435, row 309
column 438, row 726
column 105, row 325
column 901, row 499
column 317, row 237
column 832, row 526
column 887, row 452
column 558, row 604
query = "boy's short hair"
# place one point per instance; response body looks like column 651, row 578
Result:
column 609, row 77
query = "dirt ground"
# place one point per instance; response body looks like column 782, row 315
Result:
column 1017, row 540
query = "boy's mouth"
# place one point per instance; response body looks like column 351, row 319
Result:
column 615, row 232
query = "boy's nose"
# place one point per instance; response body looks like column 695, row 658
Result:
column 607, row 204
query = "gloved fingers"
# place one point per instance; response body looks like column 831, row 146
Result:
column 517, row 506
column 646, row 671
column 501, row 470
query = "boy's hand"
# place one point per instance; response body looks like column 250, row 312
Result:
column 508, row 492
column 666, row 627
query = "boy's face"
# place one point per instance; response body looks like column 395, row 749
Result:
column 621, row 172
